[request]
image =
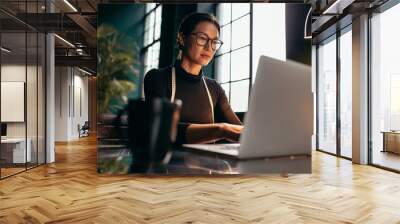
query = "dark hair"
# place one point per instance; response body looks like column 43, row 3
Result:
column 190, row 22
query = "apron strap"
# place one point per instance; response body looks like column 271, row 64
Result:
column 209, row 99
column 173, row 82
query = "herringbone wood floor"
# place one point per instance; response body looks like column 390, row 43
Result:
column 70, row 191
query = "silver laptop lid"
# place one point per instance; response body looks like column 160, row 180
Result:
column 279, row 121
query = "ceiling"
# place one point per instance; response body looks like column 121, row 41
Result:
column 76, row 25
column 75, row 21
column 72, row 20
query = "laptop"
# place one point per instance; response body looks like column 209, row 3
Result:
column 279, row 121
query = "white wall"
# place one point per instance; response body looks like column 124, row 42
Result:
column 11, row 73
column 33, row 126
column 71, row 94
column 62, row 81
column 16, row 73
column 81, row 84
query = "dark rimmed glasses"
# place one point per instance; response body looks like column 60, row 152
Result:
column 202, row 39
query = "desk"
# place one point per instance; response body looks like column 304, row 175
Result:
column 190, row 162
column 13, row 150
column 391, row 141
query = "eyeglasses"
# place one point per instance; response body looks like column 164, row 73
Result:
column 202, row 39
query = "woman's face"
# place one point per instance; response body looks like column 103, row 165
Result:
column 196, row 53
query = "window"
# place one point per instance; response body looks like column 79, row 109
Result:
column 246, row 33
column 269, row 34
column 152, row 31
column 346, row 93
column 233, row 58
column 385, row 87
column 334, row 93
column 394, row 101
column 327, row 95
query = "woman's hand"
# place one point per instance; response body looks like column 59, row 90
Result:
column 230, row 132
column 208, row 133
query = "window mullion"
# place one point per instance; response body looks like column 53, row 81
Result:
column 338, row 122
column 250, row 54
column 230, row 57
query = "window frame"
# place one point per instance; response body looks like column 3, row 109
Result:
column 230, row 51
column 39, row 59
column 147, row 46
column 337, row 34
column 342, row 32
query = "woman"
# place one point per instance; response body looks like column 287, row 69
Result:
column 206, row 115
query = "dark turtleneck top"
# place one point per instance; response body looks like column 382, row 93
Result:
column 191, row 90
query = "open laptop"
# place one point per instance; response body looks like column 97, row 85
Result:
column 279, row 121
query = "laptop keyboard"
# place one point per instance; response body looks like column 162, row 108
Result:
column 226, row 147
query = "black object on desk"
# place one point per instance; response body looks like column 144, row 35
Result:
column 152, row 130
column 3, row 129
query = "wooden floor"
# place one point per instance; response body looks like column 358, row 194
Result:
column 70, row 191
column 386, row 159
column 10, row 171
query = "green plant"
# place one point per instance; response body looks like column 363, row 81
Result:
column 118, row 68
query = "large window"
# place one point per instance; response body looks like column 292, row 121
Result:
column 233, row 59
column 269, row 32
column 385, row 88
column 327, row 95
column 152, row 31
column 246, row 33
column 334, row 93
column 345, row 41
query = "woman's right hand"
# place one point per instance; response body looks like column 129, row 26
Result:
column 208, row 133
column 230, row 132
